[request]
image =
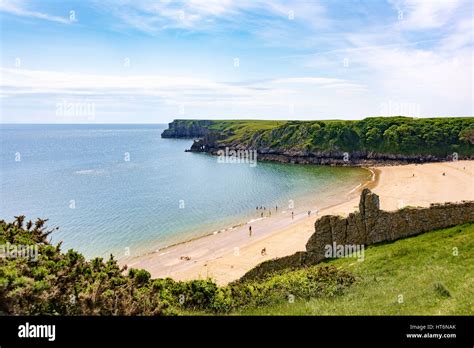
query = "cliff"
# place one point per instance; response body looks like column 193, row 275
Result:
column 368, row 226
column 379, row 140
column 186, row 129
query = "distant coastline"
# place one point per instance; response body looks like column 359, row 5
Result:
column 376, row 141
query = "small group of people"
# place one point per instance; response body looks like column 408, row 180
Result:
column 265, row 208
column 270, row 214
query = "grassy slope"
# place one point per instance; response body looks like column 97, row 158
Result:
column 243, row 128
column 410, row 267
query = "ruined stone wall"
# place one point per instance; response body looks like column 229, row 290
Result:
column 368, row 226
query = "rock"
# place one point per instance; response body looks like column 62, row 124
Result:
column 186, row 129
column 321, row 237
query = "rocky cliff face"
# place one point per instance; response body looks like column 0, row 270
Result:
column 339, row 158
column 207, row 143
column 369, row 225
column 187, row 129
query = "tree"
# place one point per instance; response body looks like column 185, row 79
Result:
column 467, row 135
column 373, row 136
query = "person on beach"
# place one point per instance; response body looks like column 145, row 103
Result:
column 292, row 215
column 250, row 231
column 309, row 212
column 264, row 252
column 276, row 208
column 261, row 215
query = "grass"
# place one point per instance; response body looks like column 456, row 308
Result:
column 243, row 129
column 430, row 274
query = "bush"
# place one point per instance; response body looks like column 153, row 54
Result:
column 140, row 276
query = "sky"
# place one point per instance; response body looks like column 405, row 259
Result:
column 143, row 61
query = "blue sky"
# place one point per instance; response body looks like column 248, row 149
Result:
column 143, row 61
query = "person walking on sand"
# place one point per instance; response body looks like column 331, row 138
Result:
column 309, row 212
column 276, row 208
column 250, row 231
column 292, row 215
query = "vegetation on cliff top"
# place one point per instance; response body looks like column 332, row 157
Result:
column 391, row 135
column 423, row 269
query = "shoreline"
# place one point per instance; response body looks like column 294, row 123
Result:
column 230, row 253
column 358, row 187
column 132, row 261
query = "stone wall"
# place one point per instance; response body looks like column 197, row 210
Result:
column 368, row 226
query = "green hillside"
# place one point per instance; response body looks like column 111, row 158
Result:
column 384, row 135
column 415, row 276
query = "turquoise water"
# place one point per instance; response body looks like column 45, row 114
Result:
column 111, row 187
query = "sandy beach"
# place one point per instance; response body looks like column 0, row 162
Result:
column 228, row 255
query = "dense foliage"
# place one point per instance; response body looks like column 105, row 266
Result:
column 391, row 135
column 58, row 283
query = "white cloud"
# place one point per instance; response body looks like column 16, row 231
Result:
column 426, row 59
column 308, row 80
column 208, row 15
column 141, row 96
column 426, row 14
column 20, row 83
column 19, row 8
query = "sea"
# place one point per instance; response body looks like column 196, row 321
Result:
column 121, row 189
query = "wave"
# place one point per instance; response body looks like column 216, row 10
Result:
column 89, row 171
